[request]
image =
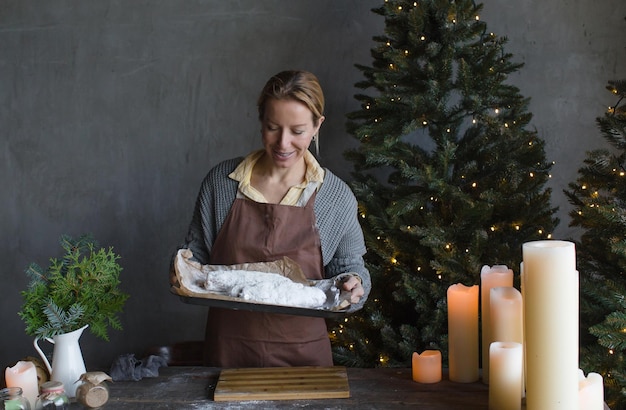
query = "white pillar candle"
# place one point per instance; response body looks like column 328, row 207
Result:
column 463, row 333
column 24, row 375
column 551, row 325
column 490, row 277
column 590, row 391
column 427, row 366
column 507, row 319
column 505, row 386
column 521, row 288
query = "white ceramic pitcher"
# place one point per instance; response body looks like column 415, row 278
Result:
column 67, row 359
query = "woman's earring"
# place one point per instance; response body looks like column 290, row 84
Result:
column 317, row 144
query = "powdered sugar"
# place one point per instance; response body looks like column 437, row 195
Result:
column 249, row 285
column 264, row 287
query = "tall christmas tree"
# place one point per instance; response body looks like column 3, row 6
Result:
column 447, row 175
column 599, row 199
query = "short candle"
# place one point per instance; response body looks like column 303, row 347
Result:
column 590, row 391
column 505, row 386
column 24, row 375
column 427, row 366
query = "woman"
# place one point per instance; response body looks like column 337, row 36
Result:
column 279, row 202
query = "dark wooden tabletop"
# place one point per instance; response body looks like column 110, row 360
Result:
column 381, row 388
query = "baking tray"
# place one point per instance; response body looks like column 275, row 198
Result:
column 229, row 302
column 191, row 275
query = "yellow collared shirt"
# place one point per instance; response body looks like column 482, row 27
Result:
column 298, row 195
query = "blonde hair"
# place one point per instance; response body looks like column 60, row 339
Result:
column 300, row 86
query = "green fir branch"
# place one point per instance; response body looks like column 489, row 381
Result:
column 80, row 288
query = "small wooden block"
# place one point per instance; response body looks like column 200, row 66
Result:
column 282, row 383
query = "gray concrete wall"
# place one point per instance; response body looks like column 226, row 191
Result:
column 113, row 111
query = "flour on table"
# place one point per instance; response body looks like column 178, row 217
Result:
column 252, row 286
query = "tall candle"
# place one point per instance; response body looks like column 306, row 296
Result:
column 427, row 366
column 505, row 386
column 463, row 333
column 590, row 391
column 507, row 317
column 490, row 277
column 24, row 375
column 521, row 288
column 551, row 325
column 506, row 312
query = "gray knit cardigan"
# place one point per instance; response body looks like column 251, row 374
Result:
column 335, row 210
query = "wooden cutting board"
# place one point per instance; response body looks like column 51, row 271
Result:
column 282, row 383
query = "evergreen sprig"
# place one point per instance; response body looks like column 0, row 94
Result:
column 80, row 288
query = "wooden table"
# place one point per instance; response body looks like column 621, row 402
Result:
column 382, row 388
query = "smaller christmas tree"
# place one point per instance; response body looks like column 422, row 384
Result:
column 599, row 198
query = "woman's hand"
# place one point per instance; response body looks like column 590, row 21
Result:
column 353, row 285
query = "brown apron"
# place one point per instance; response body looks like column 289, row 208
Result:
column 258, row 232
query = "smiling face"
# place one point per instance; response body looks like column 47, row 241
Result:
column 287, row 129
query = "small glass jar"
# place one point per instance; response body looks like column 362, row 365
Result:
column 11, row 399
column 52, row 397
column 92, row 396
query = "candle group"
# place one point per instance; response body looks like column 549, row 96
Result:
column 427, row 366
column 24, row 375
column 463, row 333
column 530, row 338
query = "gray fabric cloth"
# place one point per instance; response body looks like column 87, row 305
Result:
column 336, row 213
column 127, row 368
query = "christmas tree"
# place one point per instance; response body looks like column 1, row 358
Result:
column 599, row 199
column 448, row 176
